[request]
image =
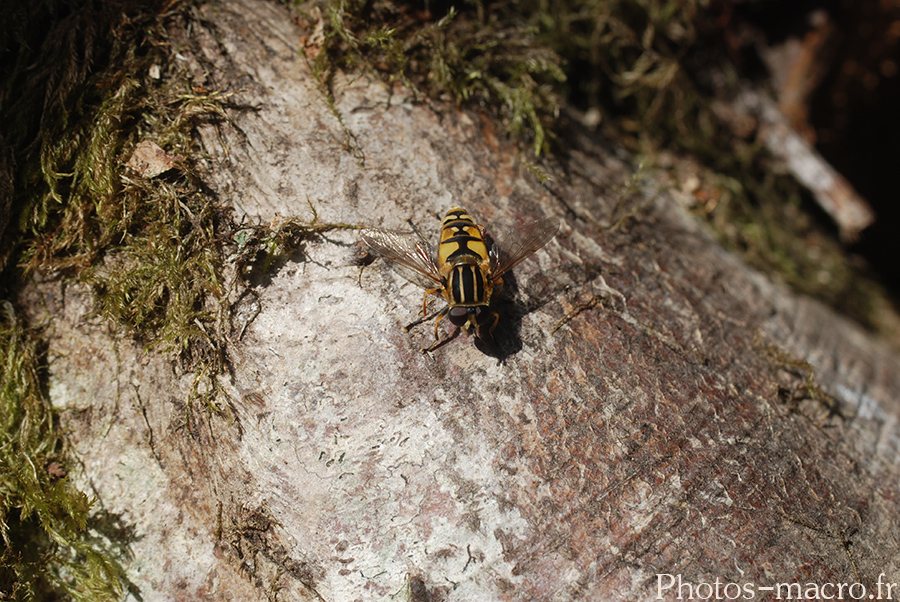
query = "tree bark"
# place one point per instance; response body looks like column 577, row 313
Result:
column 650, row 407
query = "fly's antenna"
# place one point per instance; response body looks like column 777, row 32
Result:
column 416, row 230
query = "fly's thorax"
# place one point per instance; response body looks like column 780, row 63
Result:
column 461, row 238
column 467, row 285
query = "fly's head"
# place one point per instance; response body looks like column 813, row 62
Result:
column 474, row 319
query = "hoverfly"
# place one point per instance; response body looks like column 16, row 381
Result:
column 466, row 270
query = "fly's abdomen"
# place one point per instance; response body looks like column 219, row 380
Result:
column 467, row 286
column 461, row 241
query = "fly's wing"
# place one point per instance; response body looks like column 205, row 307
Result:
column 413, row 258
column 518, row 244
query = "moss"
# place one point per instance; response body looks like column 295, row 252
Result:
column 800, row 383
column 519, row 60
column 772, row 225
column 46, row 546
column 149, row 247
column 61, row 139
column 484, row 56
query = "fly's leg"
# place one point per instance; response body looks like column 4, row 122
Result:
column 425, row 319
column 439, row 343
column 436, row 322
column 432, row 291
column 425, row 302
column 491, row 329
column 494, row 325
column 484, row 235
column 498, row 286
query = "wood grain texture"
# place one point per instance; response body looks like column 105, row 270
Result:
column 665, row 427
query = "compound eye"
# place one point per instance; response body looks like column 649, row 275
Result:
column 483, row 315
column 459, row 316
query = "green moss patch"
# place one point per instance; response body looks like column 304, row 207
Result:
column 485, row 57
column 46, row 545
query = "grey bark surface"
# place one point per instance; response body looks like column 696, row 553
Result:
column 664, row 427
